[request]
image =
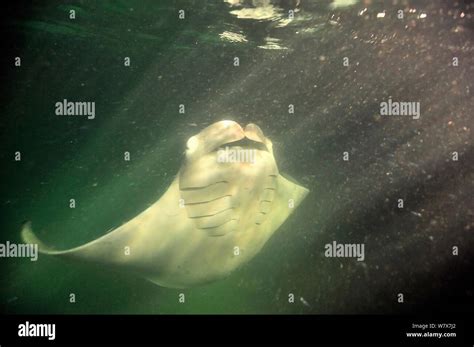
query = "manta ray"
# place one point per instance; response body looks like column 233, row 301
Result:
column 215, row 216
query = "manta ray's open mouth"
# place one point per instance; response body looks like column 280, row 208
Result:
column 244, row 143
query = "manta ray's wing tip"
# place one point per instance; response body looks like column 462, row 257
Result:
column 28, row 236
column 26, row 224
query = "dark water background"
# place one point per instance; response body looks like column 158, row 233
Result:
column 337, row 109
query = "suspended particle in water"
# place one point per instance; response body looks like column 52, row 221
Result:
column 304, row 302
column 12, row 299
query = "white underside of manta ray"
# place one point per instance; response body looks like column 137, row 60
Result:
column 213, row 218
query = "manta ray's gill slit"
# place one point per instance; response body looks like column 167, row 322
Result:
column 185, row 189
column 211, row 208
column 217, row 226
column 213, row 214
column 260, row 217
column 265, row 206
column 207, row 201
column 271, row 181
column 267, row 196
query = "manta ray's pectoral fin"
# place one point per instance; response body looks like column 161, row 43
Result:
column 285, row 199
column 109, row 249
